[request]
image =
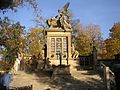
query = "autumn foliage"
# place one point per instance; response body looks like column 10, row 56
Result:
column 112, row 44
column 11, row 38
column 83, row 37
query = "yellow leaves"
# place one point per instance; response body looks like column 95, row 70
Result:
column 83, row 43
column 86, row 35
column 35, row 39
column 113, row 43
column 11, row 36
column 115, row 31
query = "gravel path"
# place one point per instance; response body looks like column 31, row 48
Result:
column 42, row 81
column 39, row 81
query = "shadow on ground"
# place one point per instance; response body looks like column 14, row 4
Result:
column 65, row 82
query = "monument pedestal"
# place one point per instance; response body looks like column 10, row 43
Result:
column 59, row 40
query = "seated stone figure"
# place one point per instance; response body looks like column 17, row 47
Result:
column 53, row 22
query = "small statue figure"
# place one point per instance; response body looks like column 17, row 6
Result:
column 65, row 17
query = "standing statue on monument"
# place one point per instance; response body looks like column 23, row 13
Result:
column 64, row 17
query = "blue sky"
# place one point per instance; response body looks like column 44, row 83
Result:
column 101, row 12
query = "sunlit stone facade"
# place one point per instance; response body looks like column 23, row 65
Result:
column 58, row 41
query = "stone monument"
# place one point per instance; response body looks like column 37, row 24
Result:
column 59, row 37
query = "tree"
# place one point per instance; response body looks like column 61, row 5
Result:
column 11, row 38
column 12, row 4
column 94, row 33
column 96, row 39
column 76, row 28
column 112, row 44
column 35, row 41
column 85, row 36
column 83, row 43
